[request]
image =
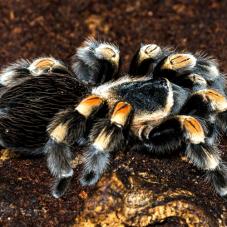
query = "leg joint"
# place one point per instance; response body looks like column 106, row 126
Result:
column 193, row 129
column 89, row 105
column 121, row 114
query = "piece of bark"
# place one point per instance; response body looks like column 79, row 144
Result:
column 133, row 198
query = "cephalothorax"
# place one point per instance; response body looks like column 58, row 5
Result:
column 168, row 101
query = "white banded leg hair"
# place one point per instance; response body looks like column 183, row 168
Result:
column 107, row 135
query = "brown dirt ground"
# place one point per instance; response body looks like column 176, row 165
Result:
column 31, row 28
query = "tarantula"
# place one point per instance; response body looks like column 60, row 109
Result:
column 168, row 101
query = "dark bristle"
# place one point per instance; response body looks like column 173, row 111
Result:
column 58, row 158
column 89, row 176
column 60, row 187
column 219, row 179
column 22, row 72
column 96, row 162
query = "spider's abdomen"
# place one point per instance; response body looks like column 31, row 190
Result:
column 28, row 108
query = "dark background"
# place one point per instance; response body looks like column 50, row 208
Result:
column 32, row 28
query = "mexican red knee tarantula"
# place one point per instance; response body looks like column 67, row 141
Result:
column 167, row 101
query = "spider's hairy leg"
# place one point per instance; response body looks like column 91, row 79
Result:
column 146, row 58
column 24, row 69
column 210, row 105
column 96, row 62
column 180, row 68
column 106, row 136
column 44, row 65
column 66, row 129
column 14, row 73
column 179, row 62
column 193, row 81
column 187, row 130
column 59, row 157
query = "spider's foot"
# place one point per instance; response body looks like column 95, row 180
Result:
column 96, row 162
column 89, row 179
column 60, row 187
column 149, row 51
column 58, row 159
column 219, row 179
column 96, row 62
column 145, row 58
column 178, row 62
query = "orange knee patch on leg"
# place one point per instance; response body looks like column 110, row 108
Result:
column 44, row 63
column 193, row 129
column 197, row 79
column 217, row 100
column 121, row 113
column 88, row 105
column 179, row 61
